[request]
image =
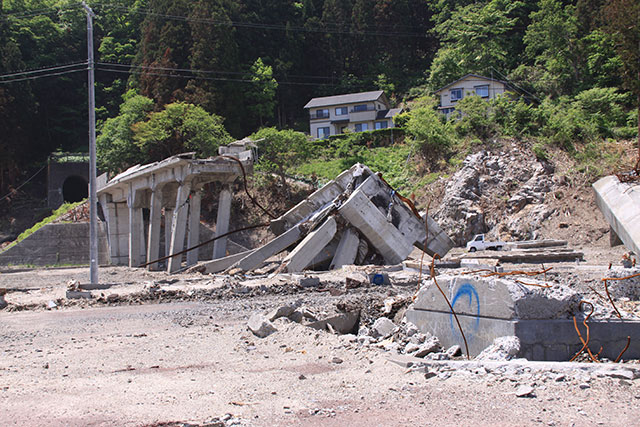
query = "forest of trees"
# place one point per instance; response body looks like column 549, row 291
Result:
column 166, row 69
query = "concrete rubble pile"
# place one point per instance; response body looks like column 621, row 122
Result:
column 355, row 219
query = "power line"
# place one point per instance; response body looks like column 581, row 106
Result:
column 336, row 30
column 210, row 78
column 41, row 76
column 190, row 70
column 23, row 184
column 43, row 69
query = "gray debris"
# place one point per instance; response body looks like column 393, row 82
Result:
column 503, row 348
column 454, row 351
column 383, row 327
column 3, row 302
column 432, row 345
column 283, row 311
column 260, row 326
column 524, row 391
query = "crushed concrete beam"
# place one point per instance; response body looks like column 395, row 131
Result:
column 366, row 217
column 620, row 204
column 310, row 246
column 347, row 250
column 277, row 245
column 220, row 264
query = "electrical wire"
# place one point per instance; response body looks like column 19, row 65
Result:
column 41, row 76
column 155, row 67
column 211, row 78
column 280, row 27
column 42, row 70
column 23, row 184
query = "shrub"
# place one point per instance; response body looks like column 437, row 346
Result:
column 426, row 128
column 475, row 118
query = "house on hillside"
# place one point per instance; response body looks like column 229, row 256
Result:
column 471, row 84
column 358, row 112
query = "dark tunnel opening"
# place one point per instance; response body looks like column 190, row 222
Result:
column 74, row 189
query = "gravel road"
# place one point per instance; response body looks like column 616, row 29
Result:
column 195, row 362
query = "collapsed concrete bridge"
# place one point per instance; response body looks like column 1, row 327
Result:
column 169, row 188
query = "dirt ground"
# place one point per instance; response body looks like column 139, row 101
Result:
column 183, row 355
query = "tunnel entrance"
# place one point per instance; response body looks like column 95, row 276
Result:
column 74, row 189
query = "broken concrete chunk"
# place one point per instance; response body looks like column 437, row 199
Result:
column 454, row 351
column 432, row 345
column 296, row 316
column 306, row 281
column 51, row 305
column 524, row 391
column 502, row 349
column 260, row 326
column 284, row 311
column 383, row 327
column 344, row 323
column 78, row 294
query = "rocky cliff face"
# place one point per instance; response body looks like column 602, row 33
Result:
column 503, row 193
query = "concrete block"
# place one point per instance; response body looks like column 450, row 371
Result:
column 260, row 326
column 310, row 246
column 78, row 294
column 345, row 323
column 620, row 205
column 366, row 217
column 382, row 327
column 497, row 298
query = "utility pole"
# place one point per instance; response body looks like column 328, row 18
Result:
column 93, row 194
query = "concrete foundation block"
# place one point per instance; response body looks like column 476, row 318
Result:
column 497, row 298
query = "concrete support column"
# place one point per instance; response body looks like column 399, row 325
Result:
column 179, row 226
column 168, row 219
column 136, row 233
column 222, row 222
column 155, row 221
column 194, row 227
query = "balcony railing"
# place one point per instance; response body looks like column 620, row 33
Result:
column 319, row 116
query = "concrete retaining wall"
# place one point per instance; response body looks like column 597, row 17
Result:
column 56, row 244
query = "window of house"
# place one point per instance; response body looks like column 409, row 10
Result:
column 381, row 125
column 482, row 91
column 341, row 111
column 361, row 127
column 322, row 114
column 447, row 111
column 456, row 94
column 361, row 107
column 324, row 132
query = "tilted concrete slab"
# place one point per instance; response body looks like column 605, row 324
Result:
column 310, row 246
column 542, row 318
column 620, row 204
column 280, row 243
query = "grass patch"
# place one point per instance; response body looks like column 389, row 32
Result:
column 66, row 207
